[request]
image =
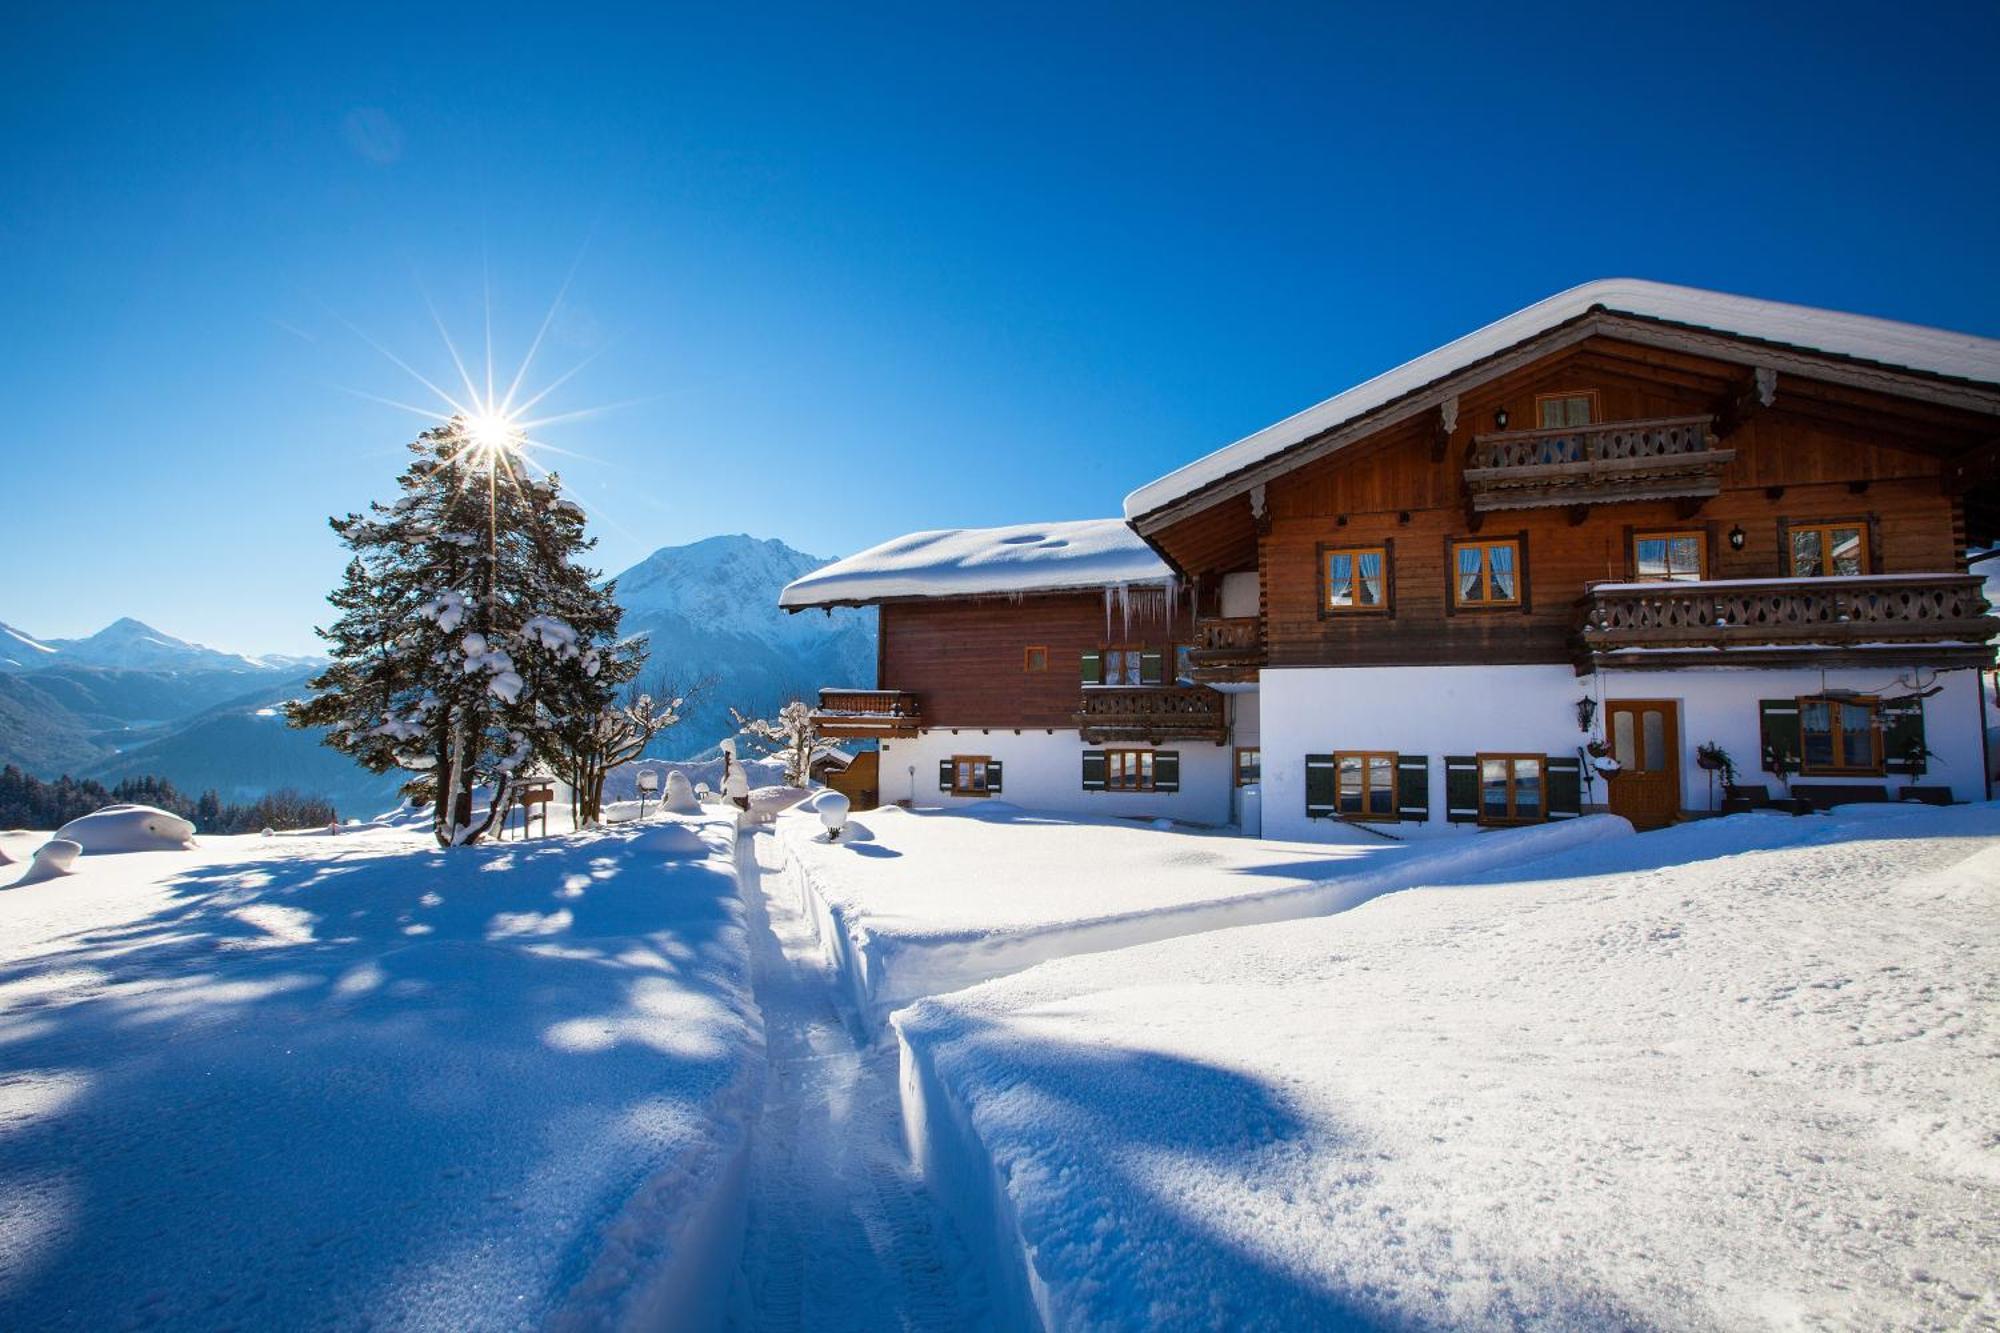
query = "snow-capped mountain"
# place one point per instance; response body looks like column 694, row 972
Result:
column 129, row 645
column 711, row 608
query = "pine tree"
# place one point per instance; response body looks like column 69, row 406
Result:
column 468, row 634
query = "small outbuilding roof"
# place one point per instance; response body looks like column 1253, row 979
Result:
column 1882, row 342
column 973, row 562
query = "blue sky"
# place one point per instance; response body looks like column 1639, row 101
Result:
column 844, row 273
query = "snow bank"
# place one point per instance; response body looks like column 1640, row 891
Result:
column 963, row 562
column 357, row 1081
column 622, row 782
column 1735, row 1074
column 1910, row 346
column 128, row 828
column 913, row 903
column 54, row 858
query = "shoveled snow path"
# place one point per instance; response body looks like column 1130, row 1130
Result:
column 842, row 1235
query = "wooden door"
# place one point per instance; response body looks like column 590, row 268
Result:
column 1645, row 737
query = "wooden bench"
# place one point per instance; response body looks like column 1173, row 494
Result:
column 1826, row 795
column 1928, row 795
column 1738, row 798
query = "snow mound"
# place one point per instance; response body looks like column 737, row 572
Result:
column 680, row 799
column 128, row 828
column 959, row 562
column 672, row 840
column 766, row 802
column 54, row 858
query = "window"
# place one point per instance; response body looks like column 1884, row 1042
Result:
column 1121, row 665
column 968, row 774
column 1128, row 770
column 1357, row 578
column 1035, row 658
column 1669, row 557
column 1839, row 736
column 1510, row 788
column 1249, row 765
column 1365, row 784
column 1570, row 408
column 1826, row 549
column 1486, row 573
column 1184, row 664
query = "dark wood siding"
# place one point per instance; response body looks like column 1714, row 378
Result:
column 963, row 657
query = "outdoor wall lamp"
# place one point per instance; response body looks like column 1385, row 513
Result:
column 1736, row 538
column 1500, row 419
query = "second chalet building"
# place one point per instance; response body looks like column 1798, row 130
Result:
column 1648, row 517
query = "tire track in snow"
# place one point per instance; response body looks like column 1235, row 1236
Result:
column 842, row 1235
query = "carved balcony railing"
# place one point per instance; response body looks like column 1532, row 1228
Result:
column 1227, row 650
column 1932, row 619
column 1153, row 714
column 867, row 713
column 1661, row 458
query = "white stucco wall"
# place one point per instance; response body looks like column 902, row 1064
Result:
column 1044, row 771
column 1435, row 711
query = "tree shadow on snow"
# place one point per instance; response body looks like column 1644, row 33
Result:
column 313, row 1089
column 1150, row 1138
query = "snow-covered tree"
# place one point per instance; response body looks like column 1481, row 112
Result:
column 590, row 745
column 468, row 632
column 790, row 737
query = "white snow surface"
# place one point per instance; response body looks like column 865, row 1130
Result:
column 917, row 902
column 353, row 1081
column 1736, row 1074
column 965, row 562
column 1886, row 342
column 128, row 828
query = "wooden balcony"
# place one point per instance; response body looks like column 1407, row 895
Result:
column 1662, row 458
column 1929, row 619
column 1154, row 714
column 1227, row 650
column 867, row 714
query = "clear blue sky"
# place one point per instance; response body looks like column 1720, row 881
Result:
column 870, row 269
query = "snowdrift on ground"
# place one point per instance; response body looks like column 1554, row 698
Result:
column 128, row 828
column 1735, row 1074
column 52, row 859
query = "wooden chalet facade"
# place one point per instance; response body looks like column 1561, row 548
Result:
column 1641, row 516
column 1053, row 681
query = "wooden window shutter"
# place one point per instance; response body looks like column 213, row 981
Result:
column 1903, row 736
column 946, row 772
column 1565, row 779
column 1322, row 795
column 1413, row 787
column 1152, row 667
column 1779, row 731
column 1094, row 768
column 1461, row 788
column 1166, row 770
column 992, row 775
column 1093, row 668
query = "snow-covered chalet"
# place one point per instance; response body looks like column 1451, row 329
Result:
column 1669, row 522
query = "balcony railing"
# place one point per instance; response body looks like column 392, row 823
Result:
column 1936, row 619
column 1665, row 457
column 1226, row 650
column 1153, row 714
column 867, row 713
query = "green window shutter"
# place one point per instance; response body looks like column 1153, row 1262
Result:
column 1413, row 787
column 1321, row 793
column 1166, row 770
column 1461, row 789
column 1565, row 786
column 992, row 775
column 1093, row 668
column 1094, row 770
column 1152, row 667
column 1780, row 731
column 945, row 772
column 1903, row 736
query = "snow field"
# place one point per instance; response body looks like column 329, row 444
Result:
column 1736, row 1074
column 909, row 903
column 354, row 1080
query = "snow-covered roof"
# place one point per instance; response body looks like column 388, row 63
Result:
column 1862, row 337
column 969, row 562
